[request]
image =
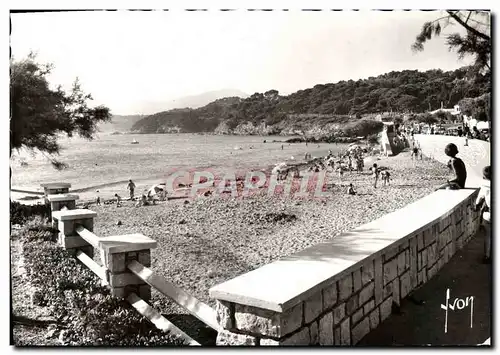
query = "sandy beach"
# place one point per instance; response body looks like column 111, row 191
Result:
column 209, row 240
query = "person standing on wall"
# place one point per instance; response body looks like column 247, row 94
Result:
column 131, row 188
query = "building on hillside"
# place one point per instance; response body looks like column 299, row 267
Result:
column 455, row 111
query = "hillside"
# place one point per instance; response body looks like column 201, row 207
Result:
column 124, row 123
column 324, row 107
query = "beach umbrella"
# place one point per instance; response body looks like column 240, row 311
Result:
column 354, row 148
column 157, row 188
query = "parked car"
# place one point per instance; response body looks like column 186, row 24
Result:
column 440, row 130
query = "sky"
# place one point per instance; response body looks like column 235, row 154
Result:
column 126, row 59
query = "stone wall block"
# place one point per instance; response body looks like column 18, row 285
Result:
column 326, row 336
column 345, row 287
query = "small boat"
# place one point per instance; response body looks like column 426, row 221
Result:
column 134, row 142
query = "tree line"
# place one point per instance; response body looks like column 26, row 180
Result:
column 405, row 92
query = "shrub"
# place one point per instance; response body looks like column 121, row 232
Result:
column 73, row 293
column 20, row 213
column 363, row 128
column 373, row 138
column 427, row 118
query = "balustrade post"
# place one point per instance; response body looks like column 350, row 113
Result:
column 67, row 221
column 116, row 253
column 59, row 202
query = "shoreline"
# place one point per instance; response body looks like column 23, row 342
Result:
column 88, row 195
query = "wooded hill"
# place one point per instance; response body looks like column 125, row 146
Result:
column 408, row 91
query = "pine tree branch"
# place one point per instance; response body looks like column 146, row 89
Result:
column 468, row 17
column 469, row 28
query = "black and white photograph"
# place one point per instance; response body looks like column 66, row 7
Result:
column 249, row 176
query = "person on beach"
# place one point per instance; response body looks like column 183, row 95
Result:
column 475, row 132
column 414, row 152
column 483, row 204
column 282, row 147
column 457, row 166
column 118, row 200
column 386, row 176
column 340, row 169
column 350, row 190
column 131, row 188
column 98, row 199
column 467, row 131
column 376, row 174
column 360, row 164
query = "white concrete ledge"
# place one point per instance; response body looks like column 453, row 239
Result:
column 282, row 284
column 126, row 243
column 68, row 215
column 62, row 197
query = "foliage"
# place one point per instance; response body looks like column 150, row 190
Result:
column 408, row 91
column 443, row 117
column 476, row 42
column 73, row 293
column 39, row 114
column 398, row 120
column 478, row 107
column 373, row 138
column 427, row 118
column 363, row 128
column 19, row 213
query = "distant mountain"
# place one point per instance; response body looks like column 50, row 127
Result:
column 120, row 123
column 322, row 108
column 124, row 123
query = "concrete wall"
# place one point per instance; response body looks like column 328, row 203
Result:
column 335, row 292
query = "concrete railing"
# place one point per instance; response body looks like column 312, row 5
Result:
column 337, row 291
column 116, row 252
column 334, row 292
column 60, row 202
column 53, row 188
column 125, row 266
